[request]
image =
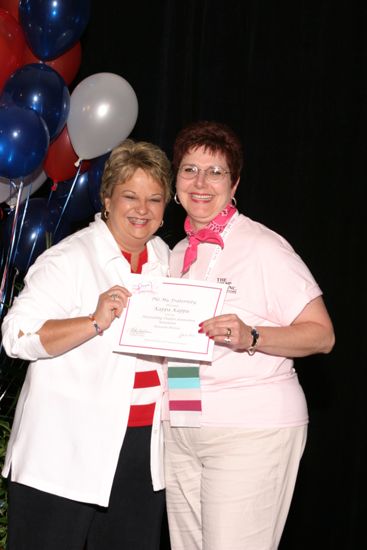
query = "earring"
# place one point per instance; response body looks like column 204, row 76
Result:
column 105, row 215
column 175, row 198
column 162, row 223
column 234, row 201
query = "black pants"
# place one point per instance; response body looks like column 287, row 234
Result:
column 132, row 521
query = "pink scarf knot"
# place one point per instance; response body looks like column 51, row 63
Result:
column 208, row 234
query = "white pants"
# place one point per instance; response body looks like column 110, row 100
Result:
column 230, row 488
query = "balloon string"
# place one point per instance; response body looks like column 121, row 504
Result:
column 4, row 281
column 21, row 224
column 53, row 188
column 34, row 241
column 68, row 197
column 2, row 260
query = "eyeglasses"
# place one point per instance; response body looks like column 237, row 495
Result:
column 213, row 174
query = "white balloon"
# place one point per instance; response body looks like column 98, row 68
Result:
column 5, row 189
column 103, row 112
column 32, row 182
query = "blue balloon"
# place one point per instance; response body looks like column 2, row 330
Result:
column 34, row 230
column 52, row 27
column 95, row 173
column 41, row 88
column 75, row 198
column 24, row 141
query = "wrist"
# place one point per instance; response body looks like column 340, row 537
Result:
column 97, row 328
column 255, row 338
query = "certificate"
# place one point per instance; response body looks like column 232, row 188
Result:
column 163, row 314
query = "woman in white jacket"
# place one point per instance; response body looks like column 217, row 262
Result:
column 84, row 457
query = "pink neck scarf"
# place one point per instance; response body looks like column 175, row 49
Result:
column 208, row 234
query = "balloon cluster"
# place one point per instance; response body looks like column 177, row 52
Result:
column 48, row 132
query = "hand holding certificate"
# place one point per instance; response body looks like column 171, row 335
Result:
column 163, row 314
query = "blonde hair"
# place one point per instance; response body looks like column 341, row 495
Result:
column 126, row 158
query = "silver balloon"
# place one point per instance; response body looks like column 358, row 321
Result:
column 103, row 112
column 5, row 189
column 9, row 190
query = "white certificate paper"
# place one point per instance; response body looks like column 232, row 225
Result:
column 163, row 314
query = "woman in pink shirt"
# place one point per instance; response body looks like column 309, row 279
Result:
column 231, row 463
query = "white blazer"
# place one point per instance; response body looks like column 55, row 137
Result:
column 73, row 409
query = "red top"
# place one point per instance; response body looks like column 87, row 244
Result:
column 141, row 411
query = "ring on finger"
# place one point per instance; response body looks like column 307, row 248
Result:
column 229, row 332
column 113, row 296
column 227, row 340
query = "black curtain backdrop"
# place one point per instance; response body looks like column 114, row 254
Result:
column 290, row 78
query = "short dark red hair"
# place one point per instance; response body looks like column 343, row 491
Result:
column 216, row 137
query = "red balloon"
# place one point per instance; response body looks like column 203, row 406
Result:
column 12, row 44
column 12, row 6
column 67, row 64
column 60, row 160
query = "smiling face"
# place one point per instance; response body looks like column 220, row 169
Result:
column 201, row 199
column 135, row 210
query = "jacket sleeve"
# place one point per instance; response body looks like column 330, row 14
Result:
column 44, row 296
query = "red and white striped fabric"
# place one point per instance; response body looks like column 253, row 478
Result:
column 147, row 386
column 146, row 391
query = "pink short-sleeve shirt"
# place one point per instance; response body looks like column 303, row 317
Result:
column 268, row 285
